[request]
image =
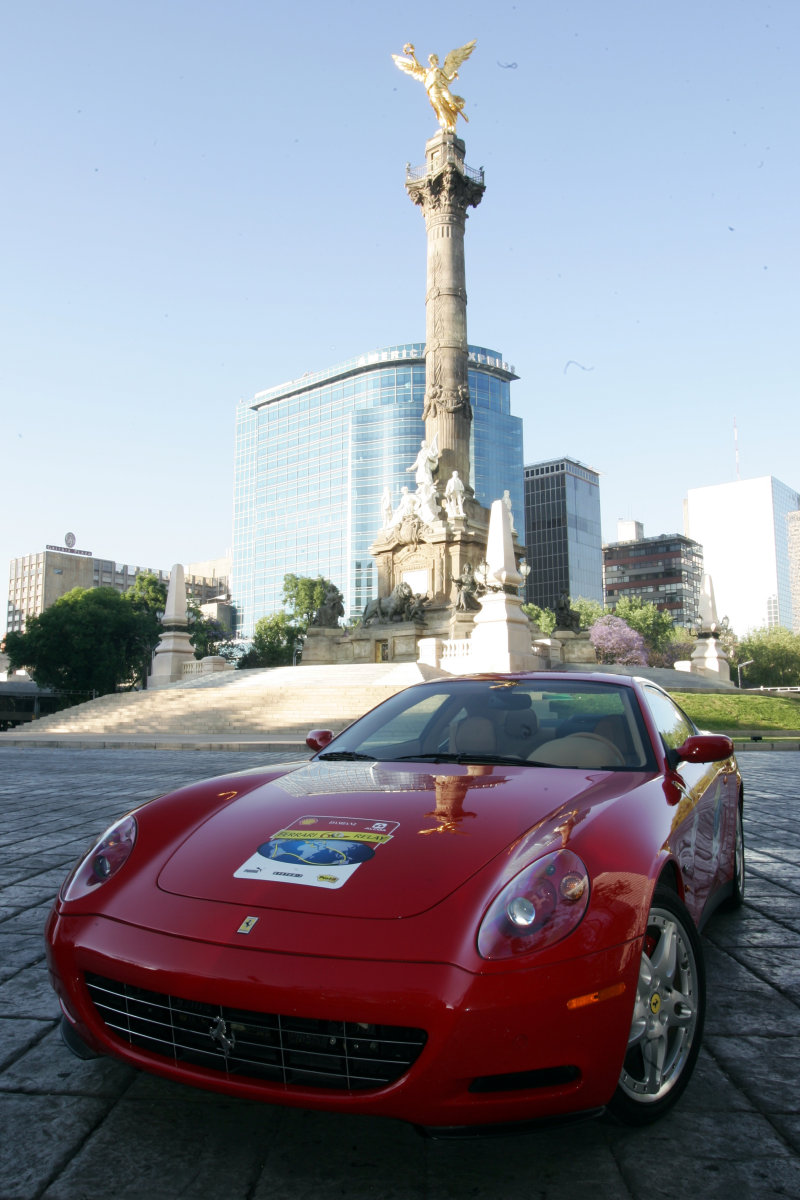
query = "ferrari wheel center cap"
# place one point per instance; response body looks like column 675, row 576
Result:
column 655, row 1003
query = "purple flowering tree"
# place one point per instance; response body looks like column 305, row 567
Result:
column 616, row 642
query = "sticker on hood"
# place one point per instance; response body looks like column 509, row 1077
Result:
column 317, row 851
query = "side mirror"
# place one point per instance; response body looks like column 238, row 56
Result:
column 318, row 739
column 704, row 748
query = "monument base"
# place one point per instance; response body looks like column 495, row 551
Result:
column 575, row 647
column 174, row 649
column 708, row 660
column 395, row 642
column 501, row 636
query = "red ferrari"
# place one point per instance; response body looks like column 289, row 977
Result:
column 477, row 905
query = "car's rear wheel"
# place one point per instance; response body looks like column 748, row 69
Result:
column 736, row 898
column 668, row 1014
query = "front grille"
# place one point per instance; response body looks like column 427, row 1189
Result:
column 517, row 1081
column 344, row 1055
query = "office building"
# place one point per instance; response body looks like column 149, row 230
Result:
column 666, row 571
column 743, row 529
column 37, row 580
column 313, row 457
column 563, row 540
column 793, row 527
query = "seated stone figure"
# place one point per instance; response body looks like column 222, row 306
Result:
column 567, row 618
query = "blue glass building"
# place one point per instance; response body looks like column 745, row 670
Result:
column 563, row 538
column 313, row 457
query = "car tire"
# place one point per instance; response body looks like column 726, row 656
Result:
column 736, row 898
column 668, row 1015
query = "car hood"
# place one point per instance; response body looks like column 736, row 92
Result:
column 379, row 840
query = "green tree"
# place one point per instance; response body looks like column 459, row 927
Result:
column 655, row 626
column 303, row 596
column 775, row 655
column 148, row 592
column 205, row 633
column 589, row 610
column 545, row 618
column 148, row 598
column 90, row 640
column 679, row 647
column 274, row 641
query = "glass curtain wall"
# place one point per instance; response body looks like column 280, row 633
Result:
column 313, row 458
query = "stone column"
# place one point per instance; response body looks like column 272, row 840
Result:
column 445, row 192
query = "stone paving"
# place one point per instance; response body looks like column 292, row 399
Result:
column 70, row 1130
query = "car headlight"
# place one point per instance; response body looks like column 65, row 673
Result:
column 540, row 906
column 103, row 860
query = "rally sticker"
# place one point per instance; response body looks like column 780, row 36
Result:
column 317, row 851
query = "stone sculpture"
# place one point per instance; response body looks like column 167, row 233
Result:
column 567, row 618
column 332, row 608
column 393, row 607
column 425, row 464
column 467, row 584
column 507, row 502
column 454, row 496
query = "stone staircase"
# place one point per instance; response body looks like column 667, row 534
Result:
column 282, row 701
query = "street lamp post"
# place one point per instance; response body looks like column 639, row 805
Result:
column 749, row 662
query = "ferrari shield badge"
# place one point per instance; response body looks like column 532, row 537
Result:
column 317, row 851
column 247, row 924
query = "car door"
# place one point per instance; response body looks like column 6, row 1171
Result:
column 700, row 791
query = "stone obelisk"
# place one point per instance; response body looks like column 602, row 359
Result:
column 174, row 646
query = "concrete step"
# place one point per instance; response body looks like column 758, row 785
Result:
column 286, row 700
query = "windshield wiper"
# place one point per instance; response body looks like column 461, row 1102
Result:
column 463, row 757
column 346, row 756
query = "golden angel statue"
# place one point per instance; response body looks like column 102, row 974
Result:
column 447, row 106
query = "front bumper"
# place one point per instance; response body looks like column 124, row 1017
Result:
column 500, row 1046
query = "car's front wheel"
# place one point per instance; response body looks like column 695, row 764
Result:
column 668, row 1014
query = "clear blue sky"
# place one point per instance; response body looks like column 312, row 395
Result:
column 204, row 199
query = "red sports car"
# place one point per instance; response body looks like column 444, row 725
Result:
column 477, row 905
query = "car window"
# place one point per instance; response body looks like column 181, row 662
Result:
column 672, row 723
column 596, row 725
column 406, row 728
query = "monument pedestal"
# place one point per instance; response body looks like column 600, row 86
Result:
column 501, row 636
column 708, row 660
column 395, row 641
column 575, row 647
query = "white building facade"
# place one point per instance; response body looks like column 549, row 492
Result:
column 743, row 529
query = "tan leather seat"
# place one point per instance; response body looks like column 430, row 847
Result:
column 578, row 750
column 520, row 732
column 476, row 734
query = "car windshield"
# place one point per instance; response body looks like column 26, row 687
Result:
column 538, row 722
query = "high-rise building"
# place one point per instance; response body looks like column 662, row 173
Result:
column 793, row 526
column 743, row 529
column 666, row 571
column 37, row 580
column 563, row 540
column 313, row 458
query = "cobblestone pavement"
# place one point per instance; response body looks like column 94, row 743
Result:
column 70, row 1130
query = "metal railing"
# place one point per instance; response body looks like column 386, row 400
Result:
column 415, row 174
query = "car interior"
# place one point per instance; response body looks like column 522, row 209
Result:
column 592, row 726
